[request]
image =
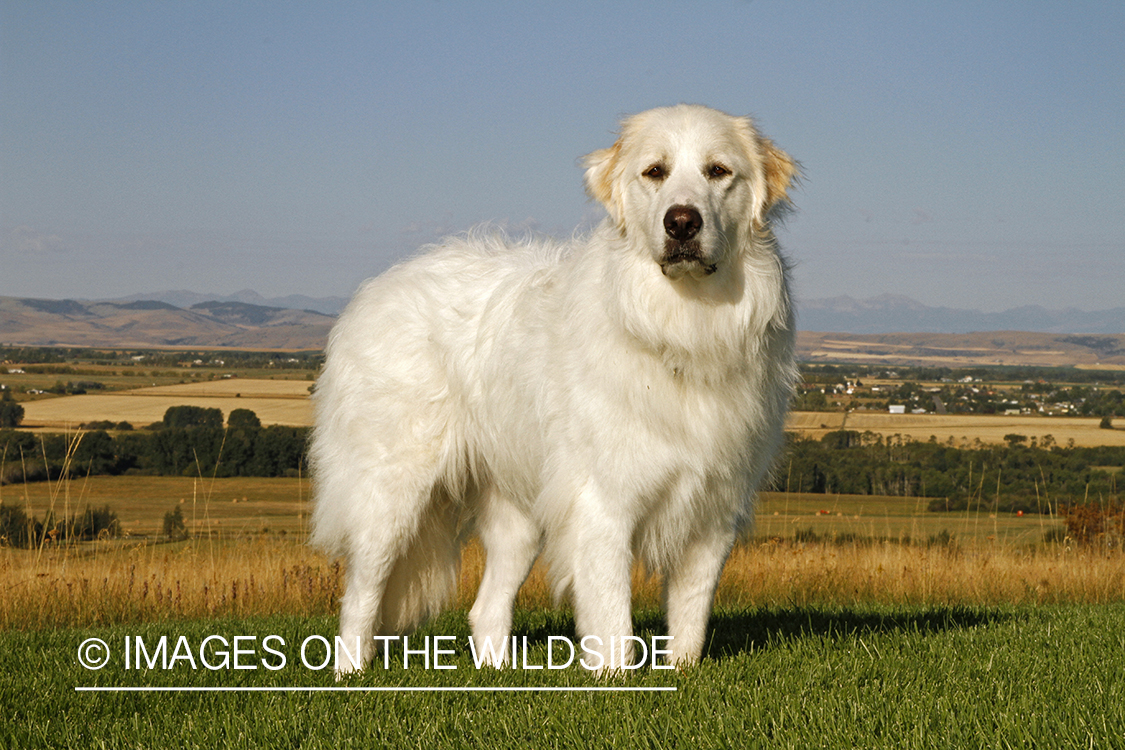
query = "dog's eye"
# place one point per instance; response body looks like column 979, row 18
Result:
column 655, row 172
column 715, row 171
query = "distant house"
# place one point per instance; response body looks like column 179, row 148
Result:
column 897, row 408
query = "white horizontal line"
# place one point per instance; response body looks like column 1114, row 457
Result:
column 204, row 689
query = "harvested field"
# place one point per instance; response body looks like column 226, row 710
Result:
column 276, row 402
column 232, row 388
column 962, row 428
column 285, row 402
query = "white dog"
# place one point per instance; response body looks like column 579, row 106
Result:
column 615, row 397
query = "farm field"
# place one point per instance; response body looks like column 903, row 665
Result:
column 239, row 505
column 249, row 543
column 276, row 402
column 784, row 515
column 286, row 402
column 227, row 506
column 962, row 428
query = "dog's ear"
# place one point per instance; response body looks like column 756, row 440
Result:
column 603, row 179
column 780, row 172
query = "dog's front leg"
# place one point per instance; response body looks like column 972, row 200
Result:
column 689, row 591
column 602, row 585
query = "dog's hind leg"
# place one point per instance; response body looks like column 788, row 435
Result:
column 365, row 580
column 511, row 541
column 400, row 524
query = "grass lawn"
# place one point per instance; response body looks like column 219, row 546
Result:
column 856, row 676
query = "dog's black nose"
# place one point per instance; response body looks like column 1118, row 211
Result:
column 682, row 222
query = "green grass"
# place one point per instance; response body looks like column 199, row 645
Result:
column 861, row 676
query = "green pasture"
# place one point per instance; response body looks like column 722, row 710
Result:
column 863, row 676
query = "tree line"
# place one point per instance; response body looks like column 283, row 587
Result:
column 190, row 441
column 1007, row 478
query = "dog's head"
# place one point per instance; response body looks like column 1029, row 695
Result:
column 691, row 183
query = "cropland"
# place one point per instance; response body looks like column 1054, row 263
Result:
column 285, row 402
column 984, row 349
column 280, row 402
column 962, row 429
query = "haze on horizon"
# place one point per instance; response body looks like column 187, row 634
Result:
column 967, row 155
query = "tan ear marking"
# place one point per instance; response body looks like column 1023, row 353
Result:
column 599, row 172
column 601, row 177
column 780, row 171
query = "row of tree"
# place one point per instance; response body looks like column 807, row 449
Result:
column 1010, row 477
column 190, row 441
column 197, row 442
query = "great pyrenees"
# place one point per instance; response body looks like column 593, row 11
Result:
column 615, row 397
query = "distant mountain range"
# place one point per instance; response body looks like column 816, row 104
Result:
column 838, row 329
column 153, row 323
column 186, row 299
column 891, row 313
column 887, row 313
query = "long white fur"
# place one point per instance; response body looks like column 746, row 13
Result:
column 568, row 399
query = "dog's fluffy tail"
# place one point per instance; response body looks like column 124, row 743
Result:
column 424, row 578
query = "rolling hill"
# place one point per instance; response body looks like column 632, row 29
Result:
column 1012, row 348
column 227, row 323
column 146, row 323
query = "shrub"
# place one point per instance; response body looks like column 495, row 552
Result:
column 193, row 416
column 1089, row 523
column 16, row 529
column 174, row 526
column 11, row 413
column 243, row 419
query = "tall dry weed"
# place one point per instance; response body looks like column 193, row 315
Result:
column 112, row 583
column 104, row 582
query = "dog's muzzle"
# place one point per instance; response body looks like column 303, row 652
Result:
column 682, row 251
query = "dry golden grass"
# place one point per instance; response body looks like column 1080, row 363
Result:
column 889, row 573
column 103, row 583
column 964, row 429
column 249, row 558
column 106, row 582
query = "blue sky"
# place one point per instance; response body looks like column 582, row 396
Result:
column 963, row 154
